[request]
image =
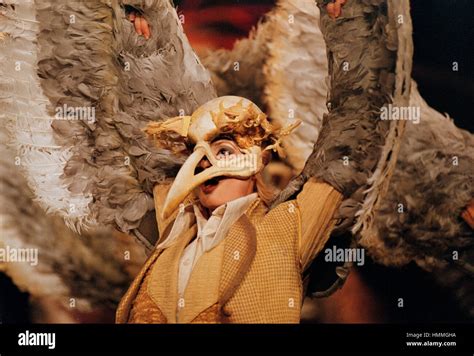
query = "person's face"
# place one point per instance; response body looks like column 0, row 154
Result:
column 220, row 190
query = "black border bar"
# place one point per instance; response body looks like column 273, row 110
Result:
column 315, row 338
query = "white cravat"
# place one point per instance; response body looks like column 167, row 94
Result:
column 210, row 232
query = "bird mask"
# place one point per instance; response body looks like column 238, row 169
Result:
column 229, row 117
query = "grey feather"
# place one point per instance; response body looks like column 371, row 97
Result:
column 91, row 268
column 352, row 132
column 89, row 56
column 239, row 71
column 431, row 188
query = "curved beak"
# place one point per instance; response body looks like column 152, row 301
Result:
column 186, row 181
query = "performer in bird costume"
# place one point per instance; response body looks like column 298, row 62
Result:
column 186, row 163
column 224, row 257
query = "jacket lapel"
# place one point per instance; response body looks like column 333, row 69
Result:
column 213, row 269
column 203, row 286
column 163, row 283
column 235, row 259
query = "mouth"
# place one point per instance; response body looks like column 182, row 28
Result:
column 209, row 185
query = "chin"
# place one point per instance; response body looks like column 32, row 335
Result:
column 211, row 202
column 219, row 196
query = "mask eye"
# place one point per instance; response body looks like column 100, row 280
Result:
column 223, row 153
column 224, row 150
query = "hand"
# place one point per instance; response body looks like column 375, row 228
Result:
column 141, row 24
column 468, row 214
column 334, row 8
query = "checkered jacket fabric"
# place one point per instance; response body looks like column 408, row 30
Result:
column 257, row 273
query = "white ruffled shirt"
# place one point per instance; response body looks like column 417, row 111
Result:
column 210, row 232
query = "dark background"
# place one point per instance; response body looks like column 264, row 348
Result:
column 443, row 34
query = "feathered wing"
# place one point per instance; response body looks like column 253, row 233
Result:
column 296, row 61
column 24, row 112
column 277, row 67
column 61, row 264
column 67, row 262
column 433, row 176
column 419, row 218
column 355, row 151
column 432, row 183
column 89, row 76
column 126, row 81
column 239, row 71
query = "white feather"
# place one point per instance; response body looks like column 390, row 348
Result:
column 24, row 114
